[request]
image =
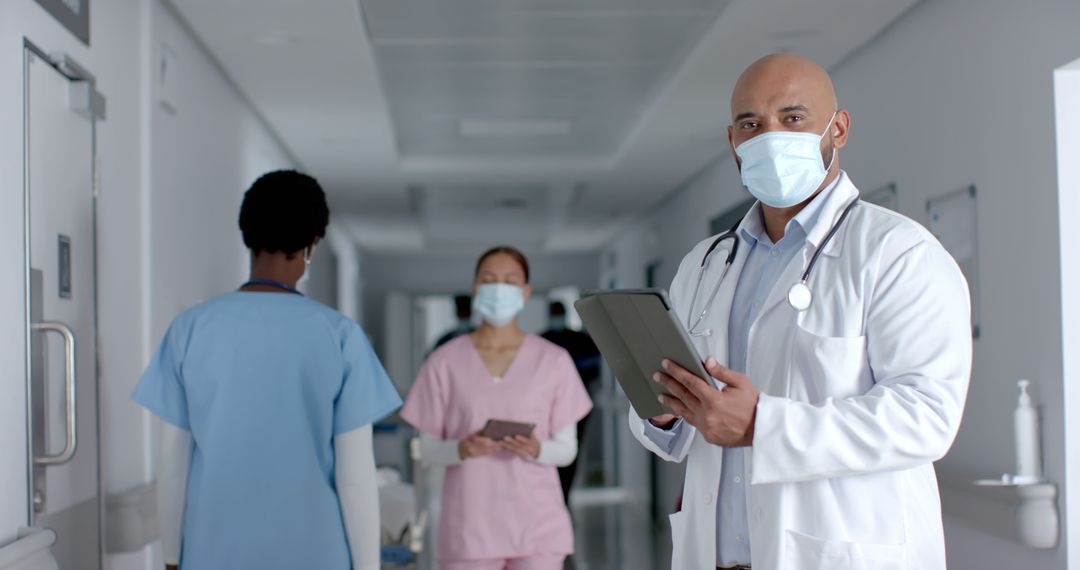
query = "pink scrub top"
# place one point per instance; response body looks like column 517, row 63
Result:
column 499, row 506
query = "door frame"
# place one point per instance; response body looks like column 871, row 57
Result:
column 93, row 111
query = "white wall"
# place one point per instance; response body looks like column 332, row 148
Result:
column 334, row 275
column 320, row 280
column 203, row 158
column 956, row 92
column 170, row 190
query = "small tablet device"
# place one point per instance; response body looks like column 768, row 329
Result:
column 502, row 429
column 635, row 329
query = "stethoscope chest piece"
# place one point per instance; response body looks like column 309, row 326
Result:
column 799, row 296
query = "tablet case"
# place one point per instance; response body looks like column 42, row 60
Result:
column 635, row 329
column 501, row 429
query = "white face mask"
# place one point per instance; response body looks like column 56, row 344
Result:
column 498, row 303
column 783, row 168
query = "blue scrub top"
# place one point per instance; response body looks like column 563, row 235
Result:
column 264, row 381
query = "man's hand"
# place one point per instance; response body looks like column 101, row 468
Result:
column 524, row 446
column 664, row 421
column 476, row 445
column 724, row 417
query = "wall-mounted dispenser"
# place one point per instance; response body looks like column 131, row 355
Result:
column 1028, row 444
column 1037, row 522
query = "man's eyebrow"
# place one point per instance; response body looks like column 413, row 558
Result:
column 795, row 107
column 747, row 115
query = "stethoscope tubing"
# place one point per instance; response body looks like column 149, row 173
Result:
column 827, row 240
column 731, row 234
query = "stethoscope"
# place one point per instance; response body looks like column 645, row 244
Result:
column 799, row 296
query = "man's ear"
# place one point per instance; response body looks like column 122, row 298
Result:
column 840, row 128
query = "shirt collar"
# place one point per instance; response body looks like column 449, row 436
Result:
column 753, row 227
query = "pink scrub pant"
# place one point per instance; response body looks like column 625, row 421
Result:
column 539, row 562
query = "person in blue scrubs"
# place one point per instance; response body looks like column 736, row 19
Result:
column 267, row 386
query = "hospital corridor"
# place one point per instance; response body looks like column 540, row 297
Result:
column 539, row 285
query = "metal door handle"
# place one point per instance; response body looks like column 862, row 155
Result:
column 69, row 392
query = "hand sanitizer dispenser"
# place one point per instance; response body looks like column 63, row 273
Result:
column 1037, row 521
column 1028, row 448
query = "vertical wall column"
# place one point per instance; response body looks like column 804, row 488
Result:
column 348, row 272
column 1067, row 112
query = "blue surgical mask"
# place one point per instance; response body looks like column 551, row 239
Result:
column 783, row 168
column 498, row 303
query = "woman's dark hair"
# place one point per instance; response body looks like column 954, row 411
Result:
column 283, row 211
column 505, row 249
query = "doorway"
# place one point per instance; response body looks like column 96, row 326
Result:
column 61, row 109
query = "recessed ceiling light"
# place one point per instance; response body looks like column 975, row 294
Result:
column 513, row 127
column 512, row 203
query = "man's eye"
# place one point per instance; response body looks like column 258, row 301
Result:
column 795, row 119
column 748, row 126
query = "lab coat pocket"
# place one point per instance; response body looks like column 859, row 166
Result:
column 805, row 552
column 827, row 367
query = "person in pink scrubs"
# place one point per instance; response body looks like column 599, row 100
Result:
column 502, row 504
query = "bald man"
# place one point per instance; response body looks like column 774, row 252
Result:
column 838, row 338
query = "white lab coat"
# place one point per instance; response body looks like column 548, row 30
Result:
column 859, row 395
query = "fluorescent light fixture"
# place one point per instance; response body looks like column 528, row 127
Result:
column 513, row 128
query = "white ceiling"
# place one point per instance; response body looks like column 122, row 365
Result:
column 552, row 78
column 450, row 125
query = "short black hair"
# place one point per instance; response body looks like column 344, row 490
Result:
column 284, row 211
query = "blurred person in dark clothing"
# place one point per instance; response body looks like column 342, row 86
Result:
column 463, row 309
column 587, row 361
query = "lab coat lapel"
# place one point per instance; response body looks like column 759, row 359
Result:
column 835, row 201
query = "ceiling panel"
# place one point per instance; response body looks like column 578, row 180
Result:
column 605, row 106
column 428, row 123
column 488, row 18
column 593, row 66
column 466, row 25
column 482, row 214
column 581, row 52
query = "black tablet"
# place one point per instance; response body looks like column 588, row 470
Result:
column 635, row 329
